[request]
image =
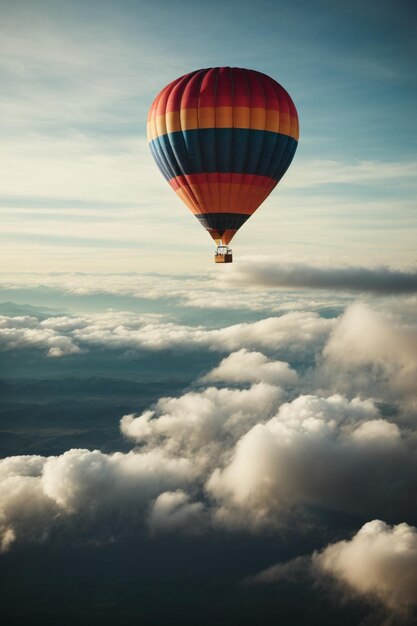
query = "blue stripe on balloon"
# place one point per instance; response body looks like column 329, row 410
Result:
column 223, row 150
column 222, row 221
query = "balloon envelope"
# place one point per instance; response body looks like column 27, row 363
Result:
column 223, row 137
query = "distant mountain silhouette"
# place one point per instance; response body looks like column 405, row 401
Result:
column 12, row 309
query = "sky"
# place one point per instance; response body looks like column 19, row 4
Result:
column 182, row 442
column 80, row 190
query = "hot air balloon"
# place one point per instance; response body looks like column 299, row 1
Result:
column 223, row 137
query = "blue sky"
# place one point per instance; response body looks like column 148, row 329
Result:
column 80, row 191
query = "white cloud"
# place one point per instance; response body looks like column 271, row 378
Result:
column 173, row 511
column 251, row 367
column 376, row 430
column 202, row 425
column 35, row 336
column 379, row 562
column 25, row 511
column 39, row 493
column 19, row 321
column 81, row 478
column 329, row 452
column 253, row 455
column 85, row 490
column 368, row 345
column 250, row 458
column 295, row 331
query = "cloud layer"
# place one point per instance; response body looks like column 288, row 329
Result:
column 256, row 444
column 60, row 336
column 380, row 280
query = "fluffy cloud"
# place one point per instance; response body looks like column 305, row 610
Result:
column 104, row 495
column 369, row 346
column 25, row 511
column 331, row 452
column 252, row 367
column 294, row 331
column 380, row 562
column 173, row 511
column 253, row 455
column 39, row 493
column 203, row 424
column 27, row 332
column 260, row 458
column 81, row 478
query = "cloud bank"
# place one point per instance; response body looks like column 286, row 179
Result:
column 379, row 280
column 61, row 336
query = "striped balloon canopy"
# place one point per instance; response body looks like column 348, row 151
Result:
column 223, row 137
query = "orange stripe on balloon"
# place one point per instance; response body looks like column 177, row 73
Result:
column 223, row 117
column 186, row 196
column 232, row 198
column 206, row 118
